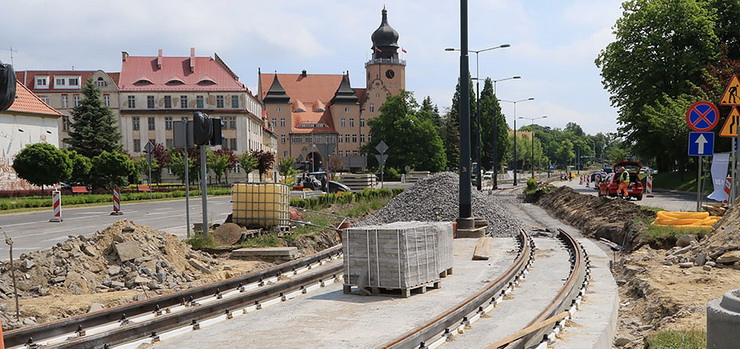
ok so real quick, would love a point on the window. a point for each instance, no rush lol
(199, 102)
(65, 101)
(318, 139)
(76, 99)
(235, 102)
(231, 122)
(297, 139)
(169, 143)
(135, 123)
(282, 122)
(274, 122)
(168, 102)
(372, 107)
(150, 123)
(341, 153)
(343, 122)
(183, 101)
(232, 144)
(42, 82)
(346, 109)
(60, 82)
(362, 122)
(277, 109)
(362, 138)
(219, 101)
(352, 122)
(65, 123)
(377, 95)
(74, 82)
(45, 99)
(106, 100)
(137, 145)
(167, 122)
(132, 101)
(150, 102)
(285, 153)
(101, 83)
(346, 138)
(369, 138)
(339, 138)
(282, 139)
(354, 138)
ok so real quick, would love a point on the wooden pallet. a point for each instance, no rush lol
(444, 273)
(393, 292)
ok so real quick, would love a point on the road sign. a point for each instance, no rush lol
(702, 116)
(731, 97)
(701, 143)
(381, 158)
(381, 147)
(729, 129)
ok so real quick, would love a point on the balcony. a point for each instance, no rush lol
(385, 61)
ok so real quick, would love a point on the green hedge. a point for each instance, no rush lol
(81, 199)
(327, 200)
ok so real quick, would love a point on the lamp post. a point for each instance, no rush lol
(477, 108)
(495, 134)
(514, 103)
(531, 122)
(516, 77)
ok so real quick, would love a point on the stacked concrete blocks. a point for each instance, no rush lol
(397, 258)
(723, 321)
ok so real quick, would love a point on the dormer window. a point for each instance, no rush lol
(175, 81)
(143, 82)
(42, 82)
(206, 81)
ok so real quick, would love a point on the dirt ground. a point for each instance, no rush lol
(656, 293)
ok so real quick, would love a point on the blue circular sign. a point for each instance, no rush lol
(702, 116)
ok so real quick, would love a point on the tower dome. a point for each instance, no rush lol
(385, 36)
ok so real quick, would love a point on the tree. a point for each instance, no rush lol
(265, 159)
(220, 161)
(177, 164)
(666, 117)
(494, 128)
(160, 160)
(410, 134)
(81, 166)
(285, 166)
(93, 127)
(111, 170)
(661, 47)
(248, 162)
(451, 134)
(42, 164)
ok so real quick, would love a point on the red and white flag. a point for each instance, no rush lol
(404, 51)
(376, 49)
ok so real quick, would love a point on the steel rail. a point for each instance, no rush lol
(441, 324)
(73, 324)
(566, 299)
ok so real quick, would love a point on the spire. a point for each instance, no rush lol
(276, 93)
(345, 94)
(385, 39)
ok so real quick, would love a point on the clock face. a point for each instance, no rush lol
(390, 74)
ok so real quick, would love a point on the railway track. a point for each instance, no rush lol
(159, 318)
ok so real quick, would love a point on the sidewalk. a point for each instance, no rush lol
(670, 200)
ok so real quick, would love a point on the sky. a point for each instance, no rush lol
(553, 43)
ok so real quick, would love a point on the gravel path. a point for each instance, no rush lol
(436, 197)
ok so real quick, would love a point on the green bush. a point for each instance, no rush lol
(690, 339)
(327, 200)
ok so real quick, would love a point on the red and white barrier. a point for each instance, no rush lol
(116, 203)
(649, 186)
(728, 185)
(56, 200)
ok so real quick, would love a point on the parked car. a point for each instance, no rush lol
(635, 189)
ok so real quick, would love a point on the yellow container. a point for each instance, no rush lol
(260, 205)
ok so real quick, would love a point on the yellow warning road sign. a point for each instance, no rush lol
(729, 129)
(731, 96)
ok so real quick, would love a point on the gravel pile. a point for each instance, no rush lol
(436, 198)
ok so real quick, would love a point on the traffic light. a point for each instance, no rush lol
(216, 136)
(202, 128)
(7, 86)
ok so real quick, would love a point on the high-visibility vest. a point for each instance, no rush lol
(624, 177)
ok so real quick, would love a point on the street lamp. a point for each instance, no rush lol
(514, 103)
(504, 79)
(477, 107)
(531, 122)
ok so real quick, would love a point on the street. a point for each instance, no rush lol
(32, 231)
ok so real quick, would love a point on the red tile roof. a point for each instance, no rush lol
(28, 103)
(28, 77)
(306, 89)
(175, 74)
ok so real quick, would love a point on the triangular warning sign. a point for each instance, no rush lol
(732, 93)
(729, 129)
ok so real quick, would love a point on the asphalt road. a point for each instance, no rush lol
(32, 231)
(665, 199)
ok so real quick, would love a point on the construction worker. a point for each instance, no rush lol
(624, 182)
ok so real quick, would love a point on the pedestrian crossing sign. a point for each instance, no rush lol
(729, 129)
(731, 93)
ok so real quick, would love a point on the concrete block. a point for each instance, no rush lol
(723, 321)
(128, 250)
(270, 253)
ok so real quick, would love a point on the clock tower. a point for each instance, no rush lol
(385, 72)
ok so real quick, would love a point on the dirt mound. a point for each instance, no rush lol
(595, 216)
(723, 244)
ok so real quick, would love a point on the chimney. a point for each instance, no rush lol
(159, 59)
(192, 59)
(124, 56)
(303, 73)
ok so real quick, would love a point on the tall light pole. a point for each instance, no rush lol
(477, 108)
(516, 77)
(514, 103)
(531, 123)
